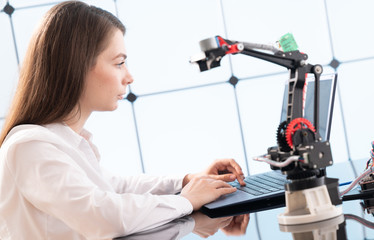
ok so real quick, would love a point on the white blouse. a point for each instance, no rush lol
(52, 187)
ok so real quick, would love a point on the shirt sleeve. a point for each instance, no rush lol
(52, 182)
(146, 184)
(174, 230)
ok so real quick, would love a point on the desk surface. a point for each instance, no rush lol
(264, 224)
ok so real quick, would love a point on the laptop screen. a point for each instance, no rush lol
(326, 102)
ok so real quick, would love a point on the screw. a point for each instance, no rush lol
(240, 46)
(318, 69)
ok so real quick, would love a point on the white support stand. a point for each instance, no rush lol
(326, 230)
(308, 206)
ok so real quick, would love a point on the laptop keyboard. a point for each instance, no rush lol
(264, 183)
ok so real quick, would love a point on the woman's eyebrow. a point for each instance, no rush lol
(120, 55)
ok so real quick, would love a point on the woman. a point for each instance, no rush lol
(51, 183)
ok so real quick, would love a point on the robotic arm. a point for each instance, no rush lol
(297, 138)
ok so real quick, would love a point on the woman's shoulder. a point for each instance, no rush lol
(30, 132)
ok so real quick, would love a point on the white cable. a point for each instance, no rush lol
(266, 158)
(359, 178)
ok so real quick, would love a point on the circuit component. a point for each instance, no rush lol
(368, 204)
(367, 184)
(288, 43)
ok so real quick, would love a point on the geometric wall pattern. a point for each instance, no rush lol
(175, 117)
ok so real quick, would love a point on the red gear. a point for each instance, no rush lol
(296, 124)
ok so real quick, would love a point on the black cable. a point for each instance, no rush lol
(361, 220)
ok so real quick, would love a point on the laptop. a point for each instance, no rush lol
(266, 190)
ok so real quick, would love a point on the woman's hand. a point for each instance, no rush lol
(237, 226)
(222, 169)
(230, 226)
(206, 226)
(204, 189)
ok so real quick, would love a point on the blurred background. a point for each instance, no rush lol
(178, 120)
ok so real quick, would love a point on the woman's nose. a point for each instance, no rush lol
(128, 79)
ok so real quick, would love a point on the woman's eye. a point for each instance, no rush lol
(120, 64)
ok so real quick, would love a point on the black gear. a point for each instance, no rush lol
(281, 137)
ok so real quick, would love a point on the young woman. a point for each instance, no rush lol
(51, 183)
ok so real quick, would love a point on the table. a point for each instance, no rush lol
(264, 224)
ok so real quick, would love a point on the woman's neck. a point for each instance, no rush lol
(76, 120)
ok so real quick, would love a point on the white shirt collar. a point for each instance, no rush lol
(68, 134)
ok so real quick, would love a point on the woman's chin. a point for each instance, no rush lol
(109, 108)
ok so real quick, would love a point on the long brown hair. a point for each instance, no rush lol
(62, 50)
